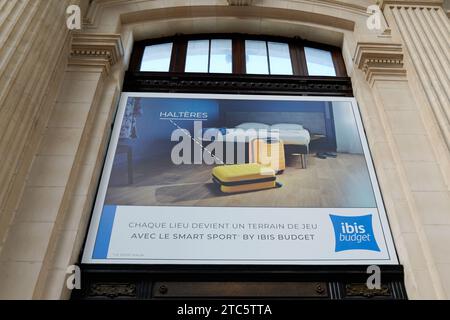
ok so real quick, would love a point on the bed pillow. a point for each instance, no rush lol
(287, 126)
(253, 125)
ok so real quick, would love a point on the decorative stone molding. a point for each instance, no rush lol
(240, 2)
(379, 60)
(361, 290)
(321, 86)
(411, 3)
(423, 30)
(90, 50)
(113, 290)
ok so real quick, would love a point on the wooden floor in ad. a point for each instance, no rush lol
(328, 183)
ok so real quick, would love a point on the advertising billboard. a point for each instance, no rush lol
(238, 179)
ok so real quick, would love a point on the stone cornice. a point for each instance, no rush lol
(240, 2)
(123, 7)
(412, 3)
(100, 50)
(379, 60)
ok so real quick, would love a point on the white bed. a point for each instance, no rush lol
(290, 134)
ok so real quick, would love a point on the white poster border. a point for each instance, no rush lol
(107, 169)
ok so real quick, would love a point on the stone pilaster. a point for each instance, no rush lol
(407, 162)
(32, 47)
(425, 30)
(47, 227)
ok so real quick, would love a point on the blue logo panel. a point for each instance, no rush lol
(354, 233)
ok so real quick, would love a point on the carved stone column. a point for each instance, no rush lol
(33, 48)
(418, 201)
(48, 225)
(425, 28)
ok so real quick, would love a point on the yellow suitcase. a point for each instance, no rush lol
(244, 177)
(268, 152)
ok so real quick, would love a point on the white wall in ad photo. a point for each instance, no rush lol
(347, 136)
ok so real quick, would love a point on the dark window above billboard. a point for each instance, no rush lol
(237, 54)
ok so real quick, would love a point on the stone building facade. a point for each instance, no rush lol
(59, 90)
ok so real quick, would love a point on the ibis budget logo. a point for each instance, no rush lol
(354, 233)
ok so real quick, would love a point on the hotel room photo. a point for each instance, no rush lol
(319, 156)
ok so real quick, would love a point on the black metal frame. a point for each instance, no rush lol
(237, 84)
(296, 49)
(101, 282)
